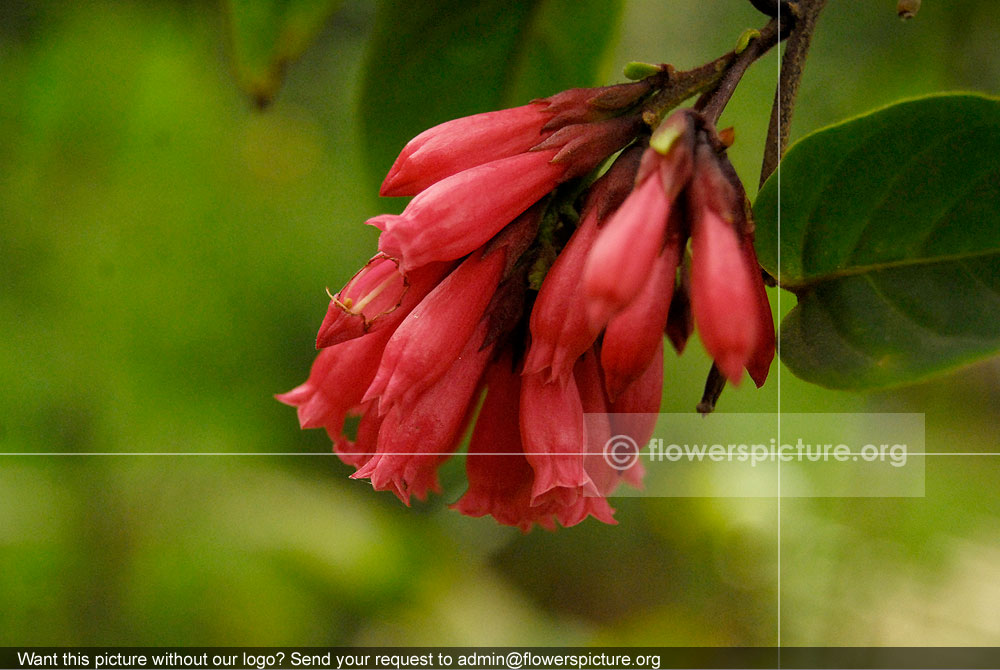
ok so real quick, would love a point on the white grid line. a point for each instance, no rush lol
(778, 337)
(693, 458)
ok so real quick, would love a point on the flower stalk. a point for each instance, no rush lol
(804, 15)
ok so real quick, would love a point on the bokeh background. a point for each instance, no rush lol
(164, 246)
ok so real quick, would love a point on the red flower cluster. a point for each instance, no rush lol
(490, 281)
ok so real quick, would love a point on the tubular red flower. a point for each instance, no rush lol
(560, 330)
(460, 144)
(623, 255)
(723, 297)
(500, 477)
(337, 381)
(415, 438)
(459, 214)
(552, 433)
(377, 297)
(634, 411)
(441, 311)
(429, 339)
(583, 146)
(597, 423)
(764, 349)
(634, 335)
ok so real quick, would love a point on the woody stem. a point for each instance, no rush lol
(679, 86)
(713, 102)
(804, 13)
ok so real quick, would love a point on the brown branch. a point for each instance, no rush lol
(679, 86)
(805, 13)
(712, 103)
(716, 80)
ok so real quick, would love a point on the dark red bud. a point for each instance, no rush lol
(610, 191)
(586, 105)
(680, 319)
(517, 236)
(713, 186)
(583, 146)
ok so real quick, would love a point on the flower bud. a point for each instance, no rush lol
(416, 437)
(460, 144)
(623, 256)
(560, 330)
(455, 216)
(582, 147)
(680, 320)
(431, 336)
(634, 335)
(586, 105)
(337, 381)
(764, 349)
(377, 297)
(635, 410)
(724, 295)
(553, 437)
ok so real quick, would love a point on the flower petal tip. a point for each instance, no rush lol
(393, 187)
(290, 398)
(731, 366)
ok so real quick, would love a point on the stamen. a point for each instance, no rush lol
(363, 302)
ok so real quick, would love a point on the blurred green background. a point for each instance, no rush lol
(164, 246)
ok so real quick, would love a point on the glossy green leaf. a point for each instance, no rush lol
(267, 35)
(890, 238)
(437, 60)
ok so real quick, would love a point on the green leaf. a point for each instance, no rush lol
(267, 35)
(434, 61)
(890, 238)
